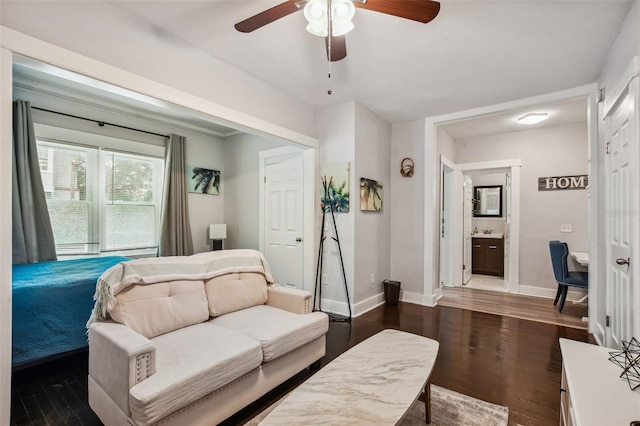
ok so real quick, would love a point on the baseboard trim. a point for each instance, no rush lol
(335, 307)
(431, 300)
(550, 293)
(411, 297)
(361, 308)
(368, 304)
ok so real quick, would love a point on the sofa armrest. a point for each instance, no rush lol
(289, 299)
(119, 358)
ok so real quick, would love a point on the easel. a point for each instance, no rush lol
(317, 295)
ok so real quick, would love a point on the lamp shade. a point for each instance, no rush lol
(217, 231)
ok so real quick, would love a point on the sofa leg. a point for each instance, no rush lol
(315, 366)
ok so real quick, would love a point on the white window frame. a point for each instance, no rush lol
(96, 198)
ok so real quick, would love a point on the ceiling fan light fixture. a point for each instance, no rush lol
(315, 12)
(342, 11)
(533, 118)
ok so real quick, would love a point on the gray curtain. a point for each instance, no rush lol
(32, 234)
(175, 231)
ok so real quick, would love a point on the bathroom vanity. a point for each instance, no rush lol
(487, 254)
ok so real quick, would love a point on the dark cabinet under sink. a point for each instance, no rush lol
(487, 256)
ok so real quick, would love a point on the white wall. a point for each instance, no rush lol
(336, 127)
(624, 48)
(202, 149)
(372, 229)
(133, 45)
(555, 151)
(446, 145)
(241, 182)
(407, 210)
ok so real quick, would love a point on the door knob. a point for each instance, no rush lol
(621, 261)
(298, 240)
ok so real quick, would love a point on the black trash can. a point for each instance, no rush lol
(391, 292)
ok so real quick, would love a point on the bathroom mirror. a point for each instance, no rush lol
(487, 201)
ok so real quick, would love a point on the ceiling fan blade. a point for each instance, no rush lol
(338, 48)
(267, 17)
(416, 10)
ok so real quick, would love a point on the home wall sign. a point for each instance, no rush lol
(557, 183)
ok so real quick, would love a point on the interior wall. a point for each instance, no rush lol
(202, 149)
(242, 180)
(336, 125)
(446, 144)
(555, 151)
(372, 229)
(131, 44)
(407, 210)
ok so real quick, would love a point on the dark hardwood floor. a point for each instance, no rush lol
(507, 361)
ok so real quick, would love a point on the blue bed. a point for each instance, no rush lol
(52, 302)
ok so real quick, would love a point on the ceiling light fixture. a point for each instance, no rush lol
(316, 13)
(533, 118)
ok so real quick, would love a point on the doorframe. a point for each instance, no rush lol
(457, 244)
(431, 287)
(308, 203)
(449, 232)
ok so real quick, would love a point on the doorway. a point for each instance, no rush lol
(461, 232)
(486, 223)
(285, 233)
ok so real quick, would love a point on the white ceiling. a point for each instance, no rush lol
(561, 113)
(475, 53)
(46, 79)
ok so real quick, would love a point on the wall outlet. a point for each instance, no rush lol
(565, 227)
(373, 279)
(325, 279)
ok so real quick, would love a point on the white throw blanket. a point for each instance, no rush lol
(201, 266)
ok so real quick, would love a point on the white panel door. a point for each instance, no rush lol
(283, 219)
(621, 173)
(467, 206)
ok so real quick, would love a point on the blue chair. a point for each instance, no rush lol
(564, 277)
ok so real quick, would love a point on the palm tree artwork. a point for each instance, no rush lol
(336, 176)
(338, 196)
(203, 181)
(370, 195)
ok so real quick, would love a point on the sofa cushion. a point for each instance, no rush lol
(154, 309)
(191, 363)
(277, 330)
(232, 292)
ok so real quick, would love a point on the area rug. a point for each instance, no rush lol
(448, 408)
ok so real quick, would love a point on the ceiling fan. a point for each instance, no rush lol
(331, 19)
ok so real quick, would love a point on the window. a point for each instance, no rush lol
(101, 200)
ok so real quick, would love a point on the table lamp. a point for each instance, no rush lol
(217, 233)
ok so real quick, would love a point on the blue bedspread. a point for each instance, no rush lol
(52, 302)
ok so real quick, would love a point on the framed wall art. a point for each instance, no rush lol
(203, 181)
(370, 195)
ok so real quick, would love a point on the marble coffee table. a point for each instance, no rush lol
(373, 383)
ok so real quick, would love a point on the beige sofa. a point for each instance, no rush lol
(192, 340)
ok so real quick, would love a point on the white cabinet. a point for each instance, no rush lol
(592, 392)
